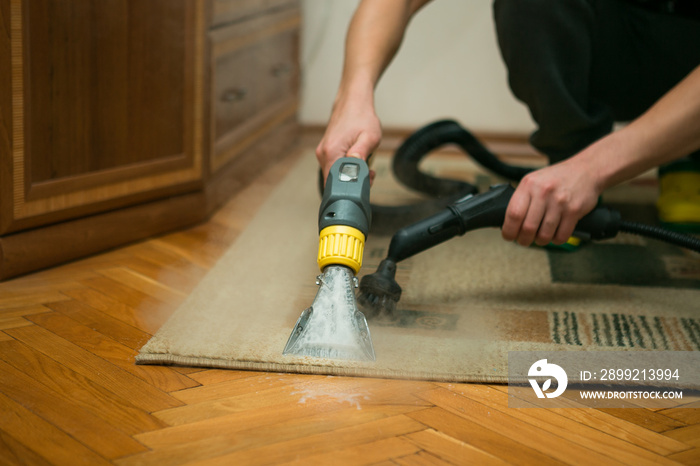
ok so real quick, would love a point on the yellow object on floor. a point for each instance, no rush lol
(679, 198)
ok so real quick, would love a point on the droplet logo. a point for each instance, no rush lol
(544, 369)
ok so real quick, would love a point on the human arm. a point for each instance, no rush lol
(549, 202)
(373, 38)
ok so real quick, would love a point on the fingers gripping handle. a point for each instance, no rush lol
(480, 211)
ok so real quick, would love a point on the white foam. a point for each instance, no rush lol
(332, 330)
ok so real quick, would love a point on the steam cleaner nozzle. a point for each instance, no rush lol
(333, 327)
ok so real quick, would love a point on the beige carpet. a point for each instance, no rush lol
(466, 303)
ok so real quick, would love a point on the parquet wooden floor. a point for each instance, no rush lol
(70, 393)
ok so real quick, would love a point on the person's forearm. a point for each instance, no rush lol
(373, 38)
(669, 130)
(548, 202)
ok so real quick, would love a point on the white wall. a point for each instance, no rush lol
(449, 66)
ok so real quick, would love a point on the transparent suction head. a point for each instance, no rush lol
(332, 327)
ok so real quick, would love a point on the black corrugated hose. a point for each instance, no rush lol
(662, 234)
(405, 167)
(436, 135)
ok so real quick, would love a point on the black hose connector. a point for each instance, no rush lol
(601, 223)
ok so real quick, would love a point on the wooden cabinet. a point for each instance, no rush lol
(125, 119)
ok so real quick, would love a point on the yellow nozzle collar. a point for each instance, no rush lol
(341, 245)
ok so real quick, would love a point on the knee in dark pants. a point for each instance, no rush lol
(546, 46)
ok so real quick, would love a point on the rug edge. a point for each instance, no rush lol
(209, 363)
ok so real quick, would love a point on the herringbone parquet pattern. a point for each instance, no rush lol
(70, 393)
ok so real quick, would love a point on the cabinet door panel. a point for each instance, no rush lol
(106, 105)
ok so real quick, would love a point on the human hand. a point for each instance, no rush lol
(353, 131)
(549, 202)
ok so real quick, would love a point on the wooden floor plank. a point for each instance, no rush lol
(236, 421)
(451, 449)
(595, 428)
(689, 435)
(144, 284)
(188, 370)
(23, 311)
(214, 376)
(272, 389)
(687, 416)
(548, 443)
(420, 458)
(7, 323)
(166, 260)
(691, 402)
(118, 412)
(12, 299)
(688, 457)
(160, 377)
(98, 370)
(237, 435)
(238, 386)
(43, 438)
(474, 434)
(264, 407)
(149, 309)
(280, 398)
(647, 419)
(325, 442)
(614, 427)
(117, 330)
(172, 245)
(363, 454)
(47, 281)
(191, 245)
(147, 321)
(183, 280)
(13, 452)
(87, 427)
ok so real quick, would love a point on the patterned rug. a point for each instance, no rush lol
(465, 303)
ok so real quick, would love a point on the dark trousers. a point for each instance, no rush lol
(581, 65)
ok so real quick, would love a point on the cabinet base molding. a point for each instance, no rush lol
(32, 250)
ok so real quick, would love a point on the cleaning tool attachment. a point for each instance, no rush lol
(379, 292)
(333, 327)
